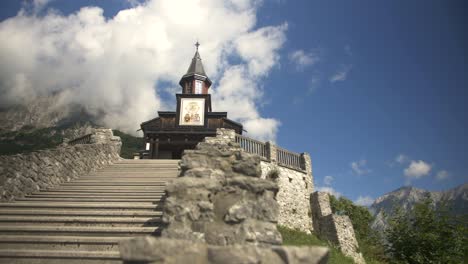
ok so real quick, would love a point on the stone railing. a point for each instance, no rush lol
(23, 174)
(289, 159)
(268, 151)
(86, 139)
(253, 146)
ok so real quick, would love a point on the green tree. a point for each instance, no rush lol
(426, 235)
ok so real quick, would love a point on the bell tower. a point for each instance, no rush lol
(195, 81)
(172, 132)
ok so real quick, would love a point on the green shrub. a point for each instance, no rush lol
(293, 237)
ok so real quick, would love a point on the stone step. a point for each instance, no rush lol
(146, 162)
(117, 191)
(109, 186)
(114, 183)
(97, 196)
(155, 172)
(125, 178)
(21, 256)
(170, 167)
(100, 183)
(84, 199)
(89, 243)
(80, 205)
(132, 174)
(79, 220)
(54, 230)
(83, 212)
(121, 180)
(114, 188)
(143, 166)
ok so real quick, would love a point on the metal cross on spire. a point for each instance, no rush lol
(197, 45)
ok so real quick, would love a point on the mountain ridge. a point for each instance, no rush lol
(454, 199)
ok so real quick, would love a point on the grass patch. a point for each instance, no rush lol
(293, 237)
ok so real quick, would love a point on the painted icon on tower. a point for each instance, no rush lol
(192, 112)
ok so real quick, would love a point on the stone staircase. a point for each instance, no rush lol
(82, 221)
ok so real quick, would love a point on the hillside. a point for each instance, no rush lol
(28, 139)
(455, 200)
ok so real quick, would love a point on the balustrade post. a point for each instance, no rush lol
(271, 152)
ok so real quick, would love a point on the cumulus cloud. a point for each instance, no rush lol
(360, 167)
(341, 74)
(328, 180)
(117, 68)
(329, 190)
(302, 59)
(417, 169)
(442, 175)
(364, 201)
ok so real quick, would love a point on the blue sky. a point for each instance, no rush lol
(375, 91)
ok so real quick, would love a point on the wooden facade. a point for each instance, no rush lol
(169, 134)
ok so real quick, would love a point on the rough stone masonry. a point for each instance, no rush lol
(24, 174)
(220, 198)
(219, 211)
(337, 229)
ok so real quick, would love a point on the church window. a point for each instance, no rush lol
(198, 87)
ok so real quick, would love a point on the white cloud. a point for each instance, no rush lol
(417, 169)
(259, 48)
(360, 167)
(328, 180)
(442, 175)
(302, 59)
(364, 200)
(341, 74)
(329, 190)
(402, 159)
(113, 67)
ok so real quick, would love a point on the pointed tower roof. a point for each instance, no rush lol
(196, 68)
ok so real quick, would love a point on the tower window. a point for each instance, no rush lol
(198, 87)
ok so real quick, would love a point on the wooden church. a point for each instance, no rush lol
(169, 134)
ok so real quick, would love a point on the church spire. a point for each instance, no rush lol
(195, 76)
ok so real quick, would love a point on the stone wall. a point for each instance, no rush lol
(162, 250)
(293, 196)
(219, 197)
(337, 229)
(295, 185)
(219, 210)
(23, 174)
